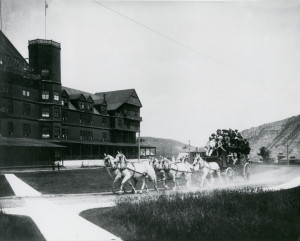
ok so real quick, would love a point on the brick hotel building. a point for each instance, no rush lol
(42, 121)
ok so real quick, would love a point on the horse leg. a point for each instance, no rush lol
(132, 186)
(219, 176)
(143, 184)
(188, 178)
(212, 180)
(203, 178)
(174, 180)
(125, 179)
(164, 179)
(116, 179)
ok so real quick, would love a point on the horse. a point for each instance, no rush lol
(206, 169)
(111, 166)
(176, 170)
(157, 165)
(136, 170)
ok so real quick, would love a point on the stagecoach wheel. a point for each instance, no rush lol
(229, 174)
(246, 172)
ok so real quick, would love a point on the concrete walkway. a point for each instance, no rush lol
(55, 222)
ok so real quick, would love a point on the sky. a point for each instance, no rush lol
(197, 66)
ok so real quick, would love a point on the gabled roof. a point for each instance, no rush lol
(89, 99)
(77, 97)
(113, 99)
(10, 58)
(119, 97)
(64, 93)
(71, 91)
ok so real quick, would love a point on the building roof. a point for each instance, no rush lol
(119, 97)
(11, 59)
(114, 99)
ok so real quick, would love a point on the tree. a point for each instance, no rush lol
(265, 154)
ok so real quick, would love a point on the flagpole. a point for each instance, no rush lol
(45, 18)
(1, 13)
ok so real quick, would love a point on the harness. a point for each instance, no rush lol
(202, 167)
(133, 170)
(177, 170)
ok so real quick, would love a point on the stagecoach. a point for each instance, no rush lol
(230, 170)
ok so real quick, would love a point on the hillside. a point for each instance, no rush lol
(166, 147)
(275, 136)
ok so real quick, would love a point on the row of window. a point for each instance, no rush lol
(127, 123)
(45, 132)
(26, 129)
(46, 95)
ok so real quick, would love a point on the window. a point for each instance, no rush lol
(104, 137)
(26, 130)
(89, 135)
(89, 120)
(45, 73)
(81, 105)
(26, 93)
(64, 116)
(10, 107)
(64, 134)
(56, 96)
(45, 112)
(64, 101)
(4, 88)
(56, 132)
(136, 124)
(89, 106)
(10, 129)
(103, 109)
(45, 132)
(127, 123)
(86, 135)
(56, 112)
(104, 121)
(45, 95)
(26, 109)
(120, 121)
(81, 119)
(82, 135)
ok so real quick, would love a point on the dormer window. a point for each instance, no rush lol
(103, 109)
(81, 105)
(89, 106)
(64, 101)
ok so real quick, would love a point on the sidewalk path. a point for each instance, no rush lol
(55, 222)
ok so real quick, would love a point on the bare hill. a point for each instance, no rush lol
(275, 136)
(166, 147)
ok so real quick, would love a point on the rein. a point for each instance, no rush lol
(134, 170)
(177, 170)
(202, 167)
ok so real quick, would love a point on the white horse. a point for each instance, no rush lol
(157, 165)
(206, 169)
(176, 170)
(115, 173)
(139, 171)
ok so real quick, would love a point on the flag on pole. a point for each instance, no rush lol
(46, 6)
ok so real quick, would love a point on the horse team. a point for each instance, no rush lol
(128, 172)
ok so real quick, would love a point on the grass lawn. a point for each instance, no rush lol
(72, 181)
(247, 214)
(5, 189)
(18, 228)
